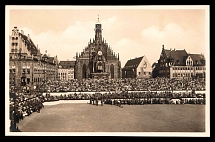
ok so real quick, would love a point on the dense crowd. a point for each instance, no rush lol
(148, 97)
(115, 92)
(22, 105)
(141, 98)
(125, 84)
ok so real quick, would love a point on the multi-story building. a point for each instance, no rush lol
(66, 70)
(137, 68)
(97, 59)
(27, 66)
(180, 64)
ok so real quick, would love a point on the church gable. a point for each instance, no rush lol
(97, 59)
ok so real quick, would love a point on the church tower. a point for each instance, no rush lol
(98, 32)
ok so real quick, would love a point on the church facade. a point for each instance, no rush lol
(97, 59)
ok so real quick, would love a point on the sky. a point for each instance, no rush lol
(131, 31)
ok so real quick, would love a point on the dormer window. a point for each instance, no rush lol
(189, 61)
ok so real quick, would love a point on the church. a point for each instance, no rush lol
(97, 59)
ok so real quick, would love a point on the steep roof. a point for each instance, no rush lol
(179, 56)
(30, 45)
(198, 59)
(67, 64)
(133, 63)
(50, 59)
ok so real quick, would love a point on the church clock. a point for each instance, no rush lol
(99, 53)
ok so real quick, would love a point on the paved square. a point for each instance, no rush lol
(83, 117)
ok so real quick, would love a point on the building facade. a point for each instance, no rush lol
(97, 60)
(137, 68)
(27, 66)
(180, 64)
(66, 70)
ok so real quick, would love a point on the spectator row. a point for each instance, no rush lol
(127, 84)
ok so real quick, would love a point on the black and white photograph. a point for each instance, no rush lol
(107, 70)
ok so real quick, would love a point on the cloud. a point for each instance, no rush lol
(172, 36)
(76, 36)
(128, 49)
(66, 43)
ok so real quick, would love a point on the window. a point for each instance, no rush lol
(99, 67)
(139, 73)
(14, 70)
(28, 80)
(144, 73)
(12, 44)
(10, 70)
(28, 71)
(13, 38)
(23, 70)
(16, 38)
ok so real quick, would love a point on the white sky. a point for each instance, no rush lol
(130, 31)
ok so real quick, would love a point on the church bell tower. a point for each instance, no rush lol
(98, 32)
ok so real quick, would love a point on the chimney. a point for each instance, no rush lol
(28, 37)
(170, 49)
(22, 32)
(162, 46)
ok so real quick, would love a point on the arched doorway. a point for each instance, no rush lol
(100, 67)
(112, 70)
(84, 71)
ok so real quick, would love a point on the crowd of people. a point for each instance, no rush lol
(126, 84)
(146, 97)
(22, 105)
(114, 92)
(141, 98)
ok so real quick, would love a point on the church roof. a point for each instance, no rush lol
(133, 63)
